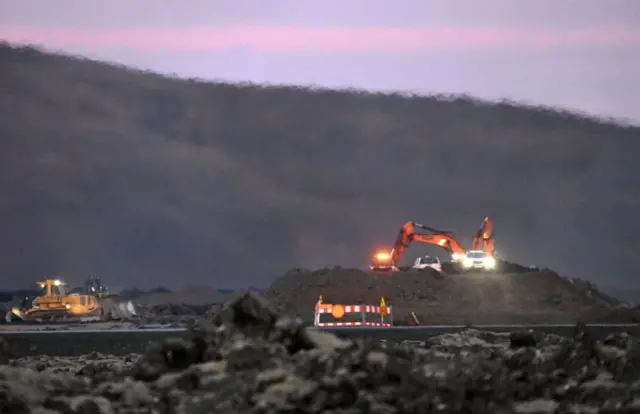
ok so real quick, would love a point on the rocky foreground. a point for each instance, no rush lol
(247, 359)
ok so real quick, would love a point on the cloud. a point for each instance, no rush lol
(317, 39)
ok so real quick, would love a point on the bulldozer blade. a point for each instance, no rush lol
(125, 310)
(13, 314)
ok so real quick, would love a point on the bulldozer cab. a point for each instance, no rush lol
(53, 287)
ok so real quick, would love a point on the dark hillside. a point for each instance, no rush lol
(145, 180)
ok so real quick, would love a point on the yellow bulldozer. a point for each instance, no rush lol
(56, 303)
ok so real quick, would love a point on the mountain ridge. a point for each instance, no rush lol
(159, 181)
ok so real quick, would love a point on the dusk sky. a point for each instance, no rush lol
(580, 54)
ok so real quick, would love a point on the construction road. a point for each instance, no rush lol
(74, 342)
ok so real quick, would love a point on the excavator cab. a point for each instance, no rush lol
(382, 261)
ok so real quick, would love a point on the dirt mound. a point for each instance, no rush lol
(540, 296)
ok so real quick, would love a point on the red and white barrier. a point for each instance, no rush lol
(360, 315)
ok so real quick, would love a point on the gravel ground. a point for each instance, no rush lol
(249, 360)
(60, 344)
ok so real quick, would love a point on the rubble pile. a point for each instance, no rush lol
(539, 296)
(592, 291)
(249, 359)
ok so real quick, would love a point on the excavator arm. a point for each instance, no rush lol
(408, 234)
(447, 241)
(483, 238)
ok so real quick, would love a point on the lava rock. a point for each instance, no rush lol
(522, 339)
(4, 351)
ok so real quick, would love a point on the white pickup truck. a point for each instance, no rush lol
(478, 259)
(423, 262)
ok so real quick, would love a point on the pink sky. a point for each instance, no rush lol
(582, 54)
(329, 39)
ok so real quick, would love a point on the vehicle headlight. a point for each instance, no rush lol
(467, 262)
(489, 262)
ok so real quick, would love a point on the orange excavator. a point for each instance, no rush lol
(483, 239)
(388, 261)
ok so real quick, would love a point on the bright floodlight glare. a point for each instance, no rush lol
(457, 257)
(382, 256)
(490, 262)
(56, 282)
